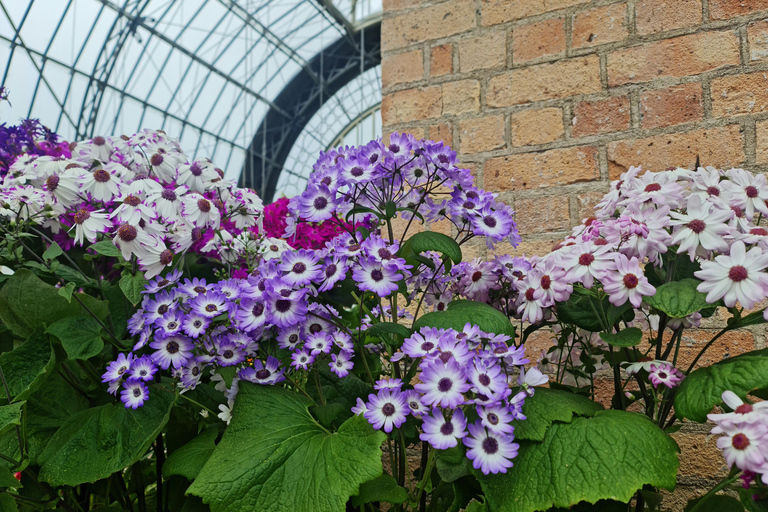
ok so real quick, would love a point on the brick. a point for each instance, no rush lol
(731, 344)
(402, 68)
(530, 246)
(433, 22)
(680, 56)
(601, 25)
(545, 81)
(726, 9)
(585, 203)
(411, 105)
(501, 11)
(757, 35)
(483, 52)
(542, 214)
(441, 60)
(441, 132)
(720, 147)
(761, 151)
(396, 5)
(740, 94)
(608, 115)
(536, 126)
(441, 226)
(699, 455)
(661, 15)
(534, 40)
(544, 169)
(673, 105)
(461, 97)
(482, 134)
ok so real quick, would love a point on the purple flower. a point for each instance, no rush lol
(228, 353)
(118, 368)
(264, 374)
(319, 343)
(191, 374)
(169, 323)
(395, 384)
(414, 403)
(251, 314)
(286, 310)
(496, 418)
(443, 384)
(301, 359)
(290, 337)
(387, 409)
(665, 374)
(489, 452)
(194, 325)
(423, 342)
(443, 433)
(172, 351)
(487, 380)
(300, 267)
(372, 276)
(194, 287)
(334, 270)
(317, 203)
(341, 364)
(134, 393)
(209, 304)
(143, 368)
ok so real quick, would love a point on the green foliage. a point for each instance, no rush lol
(608, 456)
(8, 480)
(10, 415)
(53, 252)
(716, 503)
(452, 464)
(79, 335)
(461, 312)
(132, 286)
(585, 310)
(66, 291)
(292, 457)
(702, 389)
(105, 248)
(548, 406)
(384, 329)
(678, 299)
(96, 442)
(7, 503)
(433, 241)
(628, 337)
(25, 366)
(188, 460)
(383, 488)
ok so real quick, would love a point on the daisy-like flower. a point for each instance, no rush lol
(360, 407)
(735, 277)
(496, 418)
(530, 379)
(118, 368)
(413, 398)
(744, 445)
(746, 191)
(317, 203)
(665, 374)
(197, 175)
(229, 353)
(89, 224)
(134, 393)
(386, 410)
(319, 343)
(584, 263)
(101, 184)
(341, 364)
(702, 225)
(300, 267)
(334, 270)
(626, 281)
(423, 342)
(143, 368)
(373, 276)
(172, 351)
(301, 359)
(265, 374)
(643, 364)
(285, 311)
(443, 433)
(489, 452)
(155, 258)
(209, 304)
(487, 380)
(167, 201)
(200, 211)
(742, 412)
(290, 337)
(443, 384)
(251, 314)
(194, 325)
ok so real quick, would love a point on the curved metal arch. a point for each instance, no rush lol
(336, 65)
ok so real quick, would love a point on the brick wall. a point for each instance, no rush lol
(548, 100)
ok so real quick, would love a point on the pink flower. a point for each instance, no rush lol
(626, 281)
(737, 277)
(665, 374)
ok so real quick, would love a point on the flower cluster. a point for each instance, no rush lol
(306, 235)
(142, 192)
(28, 138)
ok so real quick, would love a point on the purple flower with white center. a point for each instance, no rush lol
(136, 322)
(489, 452)
(317, 203)
(169, 323)
(154, 309)
(319, 343)
(450, 348)
(443, 384)
(512, 356)
(496, 418)
(194, 287)
(172, 351)
(301, 359)
(143, 368)
(494, 224)
(386, 410)
(264, 374)
(230, 288)
(341, 364)
(665, 374)
(703, 225)
(387, 383)
(195, 325)
(530, 379)
(584, 263)
(625, 281)
(735, 277)
(287, 310)
(334, 270)
(372, 276)
(134, 393)
(161, 282)
(487, 380)
(118, 368)
(300, 267)
(192, 373)
(229, 353)
(422, 343)
(747, 191)
(251, 314)
(290, 337)
(343, 341)
(360, 408)
(443, 433)
(209, 304)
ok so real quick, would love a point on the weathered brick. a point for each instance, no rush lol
(441, 226)
(680, 56)
(699, 456)
(600, 25)
(530, 246)
(482, 134)
(740, 94)
(402, 68)
(731, 344)
(432, 22)
(534, 40)
(585, 203)
(761, 151)
(441, 132)
(483, 52)
(720, 147)
(411, 105)
(673, 105)
(545, 81)
(544, 169)
(501, 11)
(461, 96)
(441, 60)
(542, 214)
(608, 115)
(396, 5)
(757, 35)
(661, 15)
(726, 9)
(536, 126)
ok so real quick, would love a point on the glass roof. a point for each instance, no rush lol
(206, 71)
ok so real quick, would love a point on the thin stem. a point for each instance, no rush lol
(319, 388)
(403, 458)
(696, 359)
(727, 481)
(424, 477)
(424, 461)
(185, 397)
(139, 487)
(160, 458)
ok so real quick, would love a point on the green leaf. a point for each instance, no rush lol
(292, 457)
(188, 460)
(755, 318)
(383, 488)
(10, 415)
(678, 299)
(53, 252)
(7, 503)
(383, 329)
(716, 503)
(79, 335)
(476, 506)
(461, 312)
(390, 209)
(132, 286)
(548, 406)
(702, 389)
(95, 443)
(582, 309)
(227, 373)
(66, 291)
(7, 480)
(25, 366)
(438, 242)
(608, 456)
(628, 337)
(105, 248)
(452, 464)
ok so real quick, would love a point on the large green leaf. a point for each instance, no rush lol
(79, 335)
(585, 310)
(188, 460)
(275, 457)
(105, 248)
(10, 415)
(132, 286)
(25, 366)
(548, 406)
(608, 456)
(386, 328)
(462, 312)
(7, 503)
(95, 443)
(678, 299)
(383, 488)
(702, 389)
(437, 242)
(628, 337)
(27, 303)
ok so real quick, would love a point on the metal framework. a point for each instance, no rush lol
(236, 80)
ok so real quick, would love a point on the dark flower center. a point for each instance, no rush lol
(132, 201)
(263, 374)
(195, 371)
(199, 289)
(489, 221)
(738, 273)
(529, 294)
(713, 191)
(418, 173)
(101, 176)
(444, 385)
(258, 309)
(751, 191)
(492, 418)
(445, 357)
(388, 409)
(377, 275)
(293, 339)
(52, 182)
(586, 259)
(168, 194)
(394, 148)
(166, 257)
(758, 231)
(172, 347)
(136, 392)
(162, 309)
(99, 140)
(743, 409)
(490, 445)
(653, 187)
(282, 305)
(228, 354)
(427, 346)
(211, 308)
(326, 181)
(330, 270)
(299, 268)
(662, 375)
(697, 226)
(484, 379)
(156, 159)
(127, 233)
(446, 428)
(82, 216)
(385, 254)
(195, 169)
(740, 441)
(315, 328)
(356, 172)
(204, 205)
(320, 203)
(476, 276)
(469, 205)
(546, 282)
(630, 280)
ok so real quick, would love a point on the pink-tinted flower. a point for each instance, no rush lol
(665, 374)
(626, 281)
(735, 277)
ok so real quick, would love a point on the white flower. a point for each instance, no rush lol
(737, 277)
(747, 191)
(226, 411)
(89, 224)
(702, 225)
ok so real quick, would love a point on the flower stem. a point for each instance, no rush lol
(727, 481)
(424, 477)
